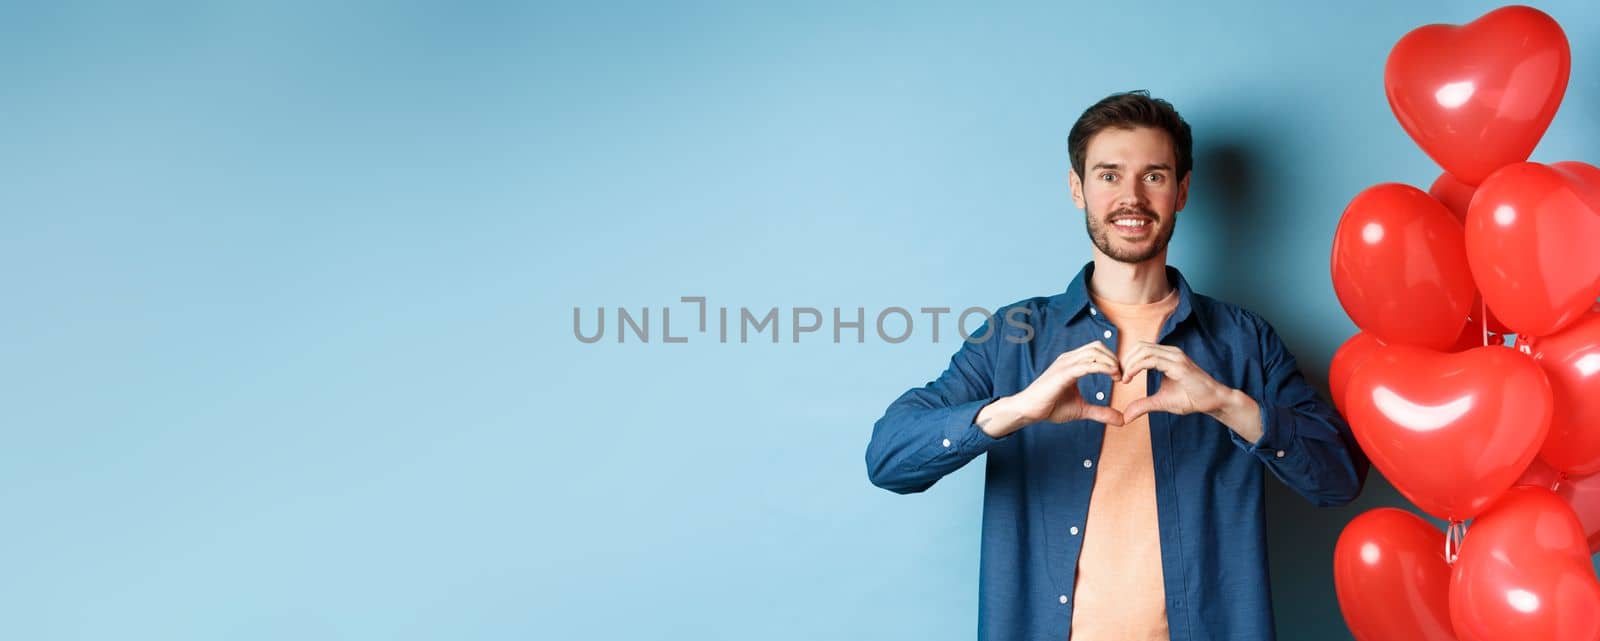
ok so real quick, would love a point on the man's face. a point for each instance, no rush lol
(1130, 193)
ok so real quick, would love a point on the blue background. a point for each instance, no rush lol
(288, 346)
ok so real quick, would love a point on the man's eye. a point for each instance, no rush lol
(1155, 178)
(1108, 176)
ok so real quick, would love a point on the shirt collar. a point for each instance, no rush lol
(1075, 300)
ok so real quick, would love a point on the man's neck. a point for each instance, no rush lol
(1131, 284)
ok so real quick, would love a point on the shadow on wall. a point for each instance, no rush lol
(1234, 211)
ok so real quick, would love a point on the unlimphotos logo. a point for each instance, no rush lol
(892, 324)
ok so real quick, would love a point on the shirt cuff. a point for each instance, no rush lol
(959, 436)
(1277, 434)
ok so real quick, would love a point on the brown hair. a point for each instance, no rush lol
(1129, 110)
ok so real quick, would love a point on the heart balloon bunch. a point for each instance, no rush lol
(1465, 427)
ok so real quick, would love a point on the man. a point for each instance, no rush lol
(1127, 422)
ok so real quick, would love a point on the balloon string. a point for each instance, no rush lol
(1483, 313)
(1555, 486)
(1453, 538)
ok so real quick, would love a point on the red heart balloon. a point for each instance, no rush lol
(1478, 96)
(1495, 326)
(1450, 431)
(1472, 335)
(1524, 573)
(1570, 358)
(1583, 496)
(1540, 474)
(1453, 194)
(1346, 359)
(1391, 577)
(1532, 234)
(1400, 268)
(1584, 175)
(1356, 349)
(1456, 196)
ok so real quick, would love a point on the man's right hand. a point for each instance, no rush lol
(1054, 395)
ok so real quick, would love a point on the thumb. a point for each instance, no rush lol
(1103, 414)
(1140, 407)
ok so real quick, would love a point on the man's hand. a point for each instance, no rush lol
(1054, 395)
(1187, 389)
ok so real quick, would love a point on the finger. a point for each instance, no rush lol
(1142, 406)
(1082, 354)
(1176, 353)
(1103, 355)
(1104, 414)
(1146, 360)
(1063, 374)
(1080, 358)
(1092, 367)
(1146, 346)
(1136, 409)
(1063, 364)
(1142, 348)
(1099, 355)
(1162, 401)
(1095, 350)
(1174, 367)
(1170, 349)
(1134, 355)
(1102, 349)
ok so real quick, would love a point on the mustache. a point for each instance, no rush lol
(1132, 211)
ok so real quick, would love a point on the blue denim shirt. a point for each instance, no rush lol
(1210, 488)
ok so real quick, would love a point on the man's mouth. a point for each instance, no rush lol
(1132, 225)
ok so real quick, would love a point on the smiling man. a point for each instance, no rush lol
(1127, 426)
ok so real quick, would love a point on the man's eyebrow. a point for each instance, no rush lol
(1150, 167)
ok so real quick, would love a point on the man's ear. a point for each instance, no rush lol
(1077, 188)
(1183, 192)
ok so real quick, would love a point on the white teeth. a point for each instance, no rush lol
(1128, 222)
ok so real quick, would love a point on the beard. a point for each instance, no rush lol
(1100, 230)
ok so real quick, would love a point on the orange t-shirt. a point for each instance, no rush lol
(1119, 594)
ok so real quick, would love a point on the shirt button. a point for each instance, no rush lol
(947, 442)
(1087, 464)
(1074, 530)
(1108, 333)
(1063, 599)
(1280, 453)
(1093, 311)
(1099, 396)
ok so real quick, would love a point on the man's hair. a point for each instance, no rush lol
(1131, 110)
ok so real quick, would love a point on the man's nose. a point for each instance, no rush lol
(1133, 195)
